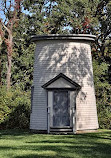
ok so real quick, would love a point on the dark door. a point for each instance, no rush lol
(61, 116)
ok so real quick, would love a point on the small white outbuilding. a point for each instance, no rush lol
(63, 95)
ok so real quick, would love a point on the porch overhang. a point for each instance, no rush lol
(62, 82)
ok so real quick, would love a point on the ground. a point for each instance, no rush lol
(23, 144)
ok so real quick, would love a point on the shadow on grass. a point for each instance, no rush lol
(33, 156)
(60, 146)
(85, 150)
(14, 132)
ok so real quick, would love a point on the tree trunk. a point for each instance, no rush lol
(9, 58)
(0, 69)
(9, 71)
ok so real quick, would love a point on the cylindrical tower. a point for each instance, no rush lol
(63, 97)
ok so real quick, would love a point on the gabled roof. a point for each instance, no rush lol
(61, 75)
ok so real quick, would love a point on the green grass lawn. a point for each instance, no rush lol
(22, 144)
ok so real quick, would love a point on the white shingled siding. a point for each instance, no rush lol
(74, 60)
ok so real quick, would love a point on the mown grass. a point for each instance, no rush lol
(22, 144)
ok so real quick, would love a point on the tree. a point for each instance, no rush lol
(102, 62)
(80, 16)
(103, 14)
(65, 16)
(103, 90)
(11, 11)
(1, 40)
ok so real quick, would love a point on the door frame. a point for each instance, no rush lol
(71, 105)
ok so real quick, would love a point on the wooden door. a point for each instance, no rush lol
(61, 109)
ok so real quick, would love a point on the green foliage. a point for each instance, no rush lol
(61, 16)
(104, 118)
(23, 56)
(103, 93)
(14, 108)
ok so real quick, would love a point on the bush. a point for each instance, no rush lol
(14, 108)
(103, 94)
(105, 119)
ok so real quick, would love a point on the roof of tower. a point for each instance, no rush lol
(86, 37)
